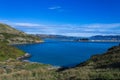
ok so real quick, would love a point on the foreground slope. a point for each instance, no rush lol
(99, 67)
(13, 36)
(110, 59)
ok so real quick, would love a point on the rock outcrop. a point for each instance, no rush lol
(26, 55)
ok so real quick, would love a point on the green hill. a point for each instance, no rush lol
(9, 35)
(7, 52)
(4, 28)
(13, 36)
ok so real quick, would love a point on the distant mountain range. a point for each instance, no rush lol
(97, 37)
(109, 37)
(60, 37)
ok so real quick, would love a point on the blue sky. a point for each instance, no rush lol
(62, 17)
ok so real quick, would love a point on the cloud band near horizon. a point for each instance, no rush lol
(83, 30)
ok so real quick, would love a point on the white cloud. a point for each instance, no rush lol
(79, 30)
(27, 24)
(69, 29)
(102, 26)
(55, 7)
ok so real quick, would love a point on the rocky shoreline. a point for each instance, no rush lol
(26, 55)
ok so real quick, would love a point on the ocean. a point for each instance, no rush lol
(64, 53)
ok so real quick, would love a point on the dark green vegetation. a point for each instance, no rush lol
(111, 59)
(7, 52)
(13, 36)
(99, 67)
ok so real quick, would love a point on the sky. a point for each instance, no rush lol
(62, 17)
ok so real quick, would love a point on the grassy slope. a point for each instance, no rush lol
(7, 52)
(110, 59)
(4, 28)
(13, 36)
(16, 70)
(98, 67)
(9, 35)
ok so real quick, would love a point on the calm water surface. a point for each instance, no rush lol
(60, 53)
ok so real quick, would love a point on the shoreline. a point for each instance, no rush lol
(50, 68)
(26, 43)
(24, 59)
(25, 56)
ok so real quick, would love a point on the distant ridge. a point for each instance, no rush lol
(106, 37)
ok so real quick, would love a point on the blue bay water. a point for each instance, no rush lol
(63, 53)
